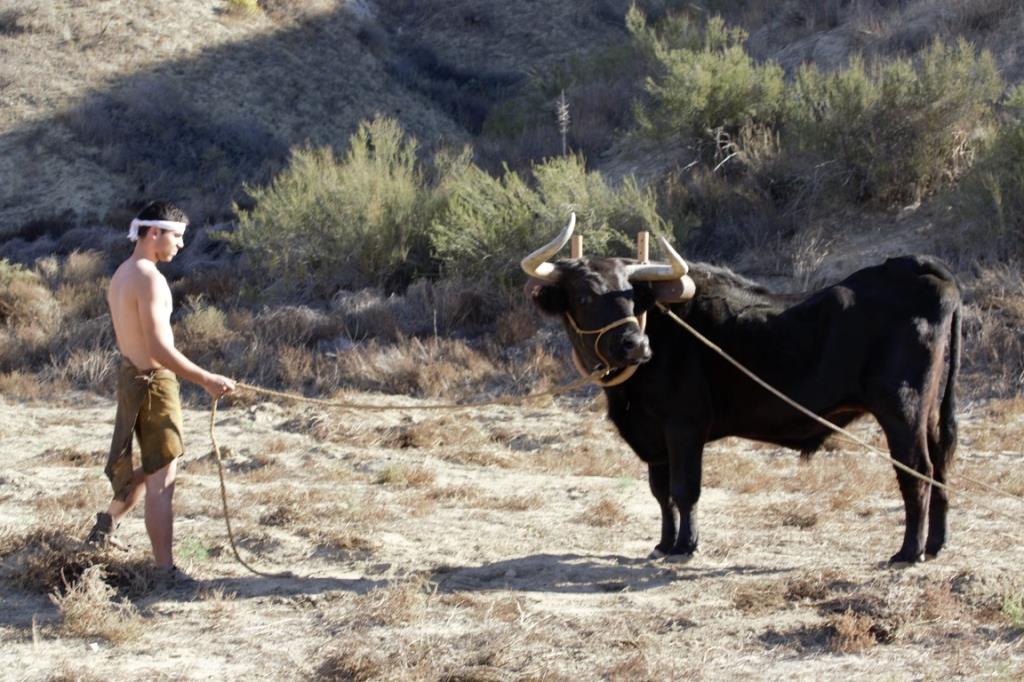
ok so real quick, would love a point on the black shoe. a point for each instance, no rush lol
(175, 579)
(102, 533)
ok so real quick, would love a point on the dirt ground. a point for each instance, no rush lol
(500, 543)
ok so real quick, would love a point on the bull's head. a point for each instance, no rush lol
(603, 301)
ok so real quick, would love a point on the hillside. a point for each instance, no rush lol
(376, 280)
(108, 103)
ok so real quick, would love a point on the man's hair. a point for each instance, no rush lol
(160, 210)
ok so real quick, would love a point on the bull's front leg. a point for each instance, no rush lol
(686, 452)
(658, 478)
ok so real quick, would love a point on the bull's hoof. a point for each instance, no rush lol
(656, 554)
(678, 558)
(901, 560)
(930, 557)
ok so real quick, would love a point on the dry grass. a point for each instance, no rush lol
(814, 586)
(89, 610)
(938, 603)
(432, 434)
(520, 592)
(436, 368)
(993, 317)
(515, 326)
(468, 497)
(1001, 475)
(358, 660)
(334, 427)
(759, 596)
(52, 559)
(90, 368)
(346, 542)
(603, 513)
(802, 515)
(1001, 428)
(203, 327)
(81, 500)
(739, 473)
(44, 560)
(222, 604)
(70, 456)
(514, 503)
(401, 603)
(405, 476)
(23, 386)
(852, 633)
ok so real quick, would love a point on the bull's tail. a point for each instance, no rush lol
(947, 411)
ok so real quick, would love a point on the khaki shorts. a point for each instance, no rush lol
(148, 408)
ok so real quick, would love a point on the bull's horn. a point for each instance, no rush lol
(675, 269)
(537, 265)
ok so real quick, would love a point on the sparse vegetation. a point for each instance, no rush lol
(378, 263)
(89, 610)
(707, 82)
(993, 192)
(895, 129)
(851, 633)
(603, 513)
(490, 223)
(325, 223)
(1013, 609)
(245, 7)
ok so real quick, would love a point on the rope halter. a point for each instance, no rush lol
(625, 372)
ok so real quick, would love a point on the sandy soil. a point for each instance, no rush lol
(510, 543)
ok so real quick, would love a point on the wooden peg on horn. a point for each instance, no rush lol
(643, 246)
(643, 252)
(576, 246)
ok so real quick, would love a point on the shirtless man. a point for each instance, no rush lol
(148, 400)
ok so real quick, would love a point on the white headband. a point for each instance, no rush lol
(175, 227)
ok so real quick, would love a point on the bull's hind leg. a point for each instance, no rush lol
(941, 448)
(908, 446)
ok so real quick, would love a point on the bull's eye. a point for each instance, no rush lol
(583, 299)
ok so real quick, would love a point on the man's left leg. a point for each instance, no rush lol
(107, 522)
(160, 514)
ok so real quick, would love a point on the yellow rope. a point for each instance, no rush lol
(826, 423)
(380, 407)
(224, 503)
(564, 389)
(352, 406)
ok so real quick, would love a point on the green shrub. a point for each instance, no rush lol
(25, 298)
(706, 81)
(245, 7)
(489, 223)
(893, 131)
(202, 331)
(1013, 609)
(325, 223)
(83, 267)
(992, 194)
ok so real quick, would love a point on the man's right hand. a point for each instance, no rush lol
(218, 386)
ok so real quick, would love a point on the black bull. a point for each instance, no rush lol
(884, 341)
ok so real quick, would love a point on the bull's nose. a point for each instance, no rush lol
(636, 348)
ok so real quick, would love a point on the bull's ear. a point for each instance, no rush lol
(643, 297)
(549, 297)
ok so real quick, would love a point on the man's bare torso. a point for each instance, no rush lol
(133, 281)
